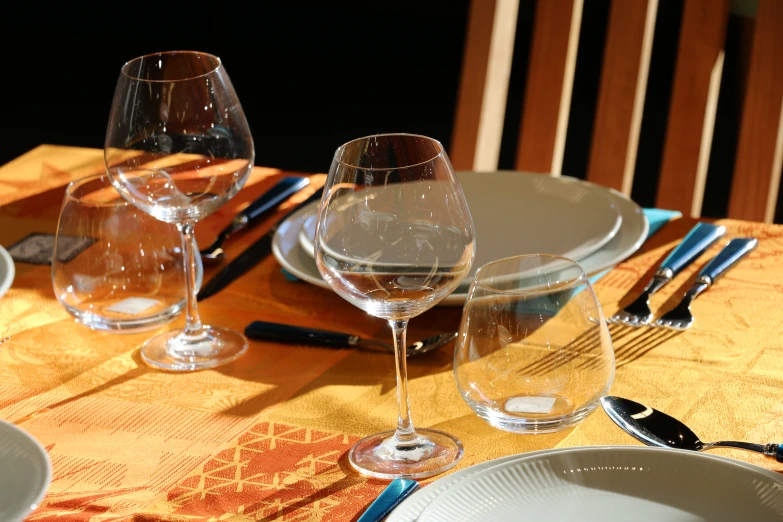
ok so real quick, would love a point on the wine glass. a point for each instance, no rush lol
(178, 147)
(533, 353)
(394, 237)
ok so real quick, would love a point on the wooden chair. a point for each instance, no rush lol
(478, 125)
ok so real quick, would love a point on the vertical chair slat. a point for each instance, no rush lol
(481, 102)
(757, 169)
(622, 91)
(550, 79)
(693, 106)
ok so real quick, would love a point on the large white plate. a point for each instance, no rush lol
(297, 259)
(286, 248)
(6, 271)
(25, 473)
(410, 509)
(613, 484)
(519, 213)
(629, 237)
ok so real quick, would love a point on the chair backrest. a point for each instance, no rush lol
(479, 117)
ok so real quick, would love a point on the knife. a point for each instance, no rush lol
(253, 255)
(252, 214)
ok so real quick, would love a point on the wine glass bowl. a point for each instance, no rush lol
(394, 237)
(178, 147)
(533, 353)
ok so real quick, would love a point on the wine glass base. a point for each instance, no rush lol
(174, 351)
(385, 457)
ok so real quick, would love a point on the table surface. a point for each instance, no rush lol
(266, 437)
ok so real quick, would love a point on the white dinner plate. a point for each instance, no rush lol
(6, 271)
(292, 257)
(517, 213)
(300, 228)
(629, 237)
(612, 484)
(410, 509)
(25, 473)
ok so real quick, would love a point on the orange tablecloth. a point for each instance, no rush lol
(266, 437)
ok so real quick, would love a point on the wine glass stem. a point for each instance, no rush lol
(405, 431)
(193, 325)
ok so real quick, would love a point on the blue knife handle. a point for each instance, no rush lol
(285, 333)
(779, 453)
(389, 499)
(692, 246)
(276, 195)
(730, 254)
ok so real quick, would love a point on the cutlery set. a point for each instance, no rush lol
(250, 257)
(701, 237)
(258, 209)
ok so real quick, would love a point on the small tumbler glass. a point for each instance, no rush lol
(533, 354)
(114, 267)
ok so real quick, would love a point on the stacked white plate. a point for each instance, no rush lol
(601, 483)
(514, 213)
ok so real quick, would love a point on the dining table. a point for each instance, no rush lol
(266, 437)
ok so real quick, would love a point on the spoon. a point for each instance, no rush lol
(285, 333)
(655, 428)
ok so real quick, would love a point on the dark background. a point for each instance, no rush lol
(313, 75)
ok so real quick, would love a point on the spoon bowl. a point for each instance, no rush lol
(655, 428)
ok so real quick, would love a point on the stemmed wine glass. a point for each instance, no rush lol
(394, 237)
(178, 147)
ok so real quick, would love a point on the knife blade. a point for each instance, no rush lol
(258, 209)
(253, 255)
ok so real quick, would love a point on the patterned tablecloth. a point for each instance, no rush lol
(265, 438)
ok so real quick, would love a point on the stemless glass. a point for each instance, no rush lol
(533, 353)
(394, 237)
(114, 267)
(178, 147)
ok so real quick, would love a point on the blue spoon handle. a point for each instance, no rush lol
(389, 499)
(726, 258)
(692, 246)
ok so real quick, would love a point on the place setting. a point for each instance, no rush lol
(550, 405)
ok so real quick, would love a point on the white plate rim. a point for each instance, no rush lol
(487, 466)
(45, 461)
(7, 261)
(633, 217)
(410, 508)
(553, 185)
(291, 225)
(619, 256)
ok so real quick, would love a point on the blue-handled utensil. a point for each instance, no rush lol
(269, 200)
(680, 317)
(692, 246)
(389, 499)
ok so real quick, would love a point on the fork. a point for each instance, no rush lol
(680, 317)
(692, 246)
